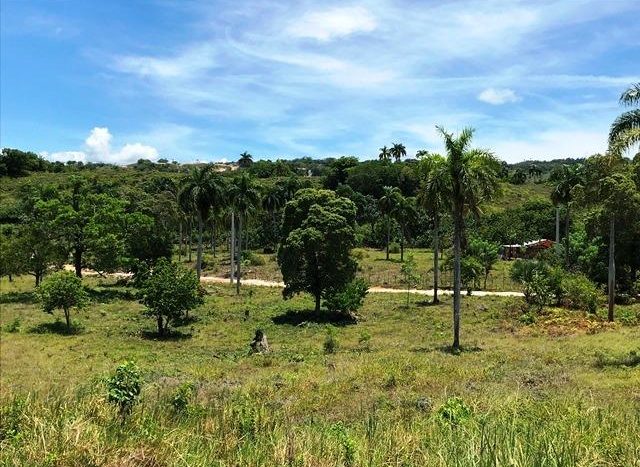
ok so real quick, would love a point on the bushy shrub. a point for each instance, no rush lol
(330, 344)
(349, 299)
(580, 293)
(536, 279)
(454, 411)
(394, 247)
(123, 388)
(182, 396)
(253, 259)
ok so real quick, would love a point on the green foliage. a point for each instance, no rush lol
(253, 259)
(536, 279)
(169, 292)
(318, 233)
(486, 254)
(123, 388)
(348, 299)
(12, 416)
(394, 248)
(182, 397)
(330, 344)
(629, 360)
(17, 163)
(347, 444)
(580, 293)
(14, 326)
(62, 290)
(410, 274)
(455, 411)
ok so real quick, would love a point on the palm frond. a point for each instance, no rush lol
(624, 141)
(631, 96)
(627, 121)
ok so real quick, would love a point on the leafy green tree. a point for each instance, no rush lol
(410, 275)
(62, 290)
(471, 269)
(244, 196)
(123, 388)
(169, 293)
(398, 151)
(17, 163)
(387, 204)
(318, 233)
(473, 177)
(11, 260)
(202, 190)
(338, 172)
(519, 177)
(434, 198)
(487, 255)
(625, 130)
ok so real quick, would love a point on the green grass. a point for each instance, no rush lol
(538, 393)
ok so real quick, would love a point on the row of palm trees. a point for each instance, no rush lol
(397, 151)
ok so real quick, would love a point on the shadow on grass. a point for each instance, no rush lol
(170, 335)
(428, 303)
(390, 260)
(299, 317)
(447, 349)
(185, 321)
(18, 297)
(104, 294)
(57, 327)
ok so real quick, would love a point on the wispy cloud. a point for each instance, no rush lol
(496, 96)
(332, 23)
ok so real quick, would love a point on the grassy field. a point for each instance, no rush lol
(560, 391)
(373, 267)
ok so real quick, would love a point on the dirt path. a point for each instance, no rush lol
(375, 289)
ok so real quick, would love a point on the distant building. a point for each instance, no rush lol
(525, 250)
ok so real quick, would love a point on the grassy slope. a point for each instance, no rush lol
(283, 407)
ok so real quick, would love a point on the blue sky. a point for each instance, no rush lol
(117, 80)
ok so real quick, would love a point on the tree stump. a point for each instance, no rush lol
(259, 343)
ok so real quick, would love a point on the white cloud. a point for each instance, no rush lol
(98, 149)
(496, 96)
(333, 23)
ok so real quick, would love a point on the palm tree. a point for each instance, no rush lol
(534, 171)
(403, 213)
(245, 198)
(433, 196)
(398, 151)
(472, 177)
(272, 201)
(387, 204)
(203, 191)
(245, 160)
(567, 178)
(385, 154)
(625, 130)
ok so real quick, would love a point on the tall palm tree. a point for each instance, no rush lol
(567, 178)
(385, 154)
(398, 151)
(473, 177)
(625, 130)
(245, 160)
(203, 190)
(387, 204)
(404, 212)
(272, 201)
(433, 196)
(244, 196)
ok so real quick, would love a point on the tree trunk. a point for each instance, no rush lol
(436, 247)
(457, 285)
(612, 267)
(557, 225)
(402, 248)
(213, 238)
(77, 260)
(232, 253)
(388, 235)
(199, 254)
(190, 236)
(180, 241)
(38, 276)
(317, 296)
(160, 325)
(67, 318)
(238, 271)
(566, 237)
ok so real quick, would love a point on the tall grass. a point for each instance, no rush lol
(239, 428)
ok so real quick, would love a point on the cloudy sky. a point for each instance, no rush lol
(119, 80)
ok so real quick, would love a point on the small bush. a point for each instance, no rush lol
(394, 248)
(14, 326)
(346, 442)
(580, 293)
(182, 396)
(628, 317)
(454, 411)
(123, 388)
(365, 341)
(253, 259)
(349, 299)
(628, 360)
(330, 344)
